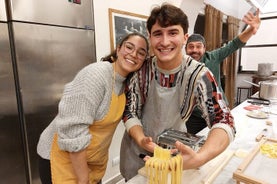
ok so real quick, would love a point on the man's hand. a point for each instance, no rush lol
(141, 139)
(253, 21)
(190, 157)
(148, 144)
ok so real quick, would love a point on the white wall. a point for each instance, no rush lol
(192, 9)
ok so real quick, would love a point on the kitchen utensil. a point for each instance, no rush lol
(210, 177)
(168, 138)
(257, 114)
(262, 134)
(255, 161)
(265, 69)
(258, 101)
(252, 83)
(268, 89)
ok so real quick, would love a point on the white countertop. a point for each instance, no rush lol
(247, 130)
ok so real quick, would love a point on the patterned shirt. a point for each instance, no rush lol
(198, 89)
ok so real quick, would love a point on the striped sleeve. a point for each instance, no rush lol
(214, 108)
(136, 93)
(200, 89)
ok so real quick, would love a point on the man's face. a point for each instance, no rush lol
(167, 44)
(196, 50)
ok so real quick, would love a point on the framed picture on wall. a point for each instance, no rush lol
(122, 23)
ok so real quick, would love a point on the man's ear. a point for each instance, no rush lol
(186, 36)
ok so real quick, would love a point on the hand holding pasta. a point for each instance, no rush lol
(161, 165)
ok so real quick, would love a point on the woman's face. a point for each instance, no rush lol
(131, 55)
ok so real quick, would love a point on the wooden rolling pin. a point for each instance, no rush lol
(219, 166)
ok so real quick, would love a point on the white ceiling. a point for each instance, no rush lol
(271, 6)
(266, 6)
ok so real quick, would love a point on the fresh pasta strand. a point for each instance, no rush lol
(161, 165)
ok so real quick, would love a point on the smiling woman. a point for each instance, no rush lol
(96, 101)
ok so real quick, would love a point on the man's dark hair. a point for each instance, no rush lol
(167, 15)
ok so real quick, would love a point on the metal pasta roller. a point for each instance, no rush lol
(168, 138)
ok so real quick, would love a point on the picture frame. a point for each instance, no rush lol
(122, 23)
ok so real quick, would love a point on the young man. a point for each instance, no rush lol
(163, 93)
(196, 48)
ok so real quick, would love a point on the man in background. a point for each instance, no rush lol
(196, 48)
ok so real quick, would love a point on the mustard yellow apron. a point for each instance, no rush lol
(97, 152)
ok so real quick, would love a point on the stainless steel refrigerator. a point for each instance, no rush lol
(43, 44)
